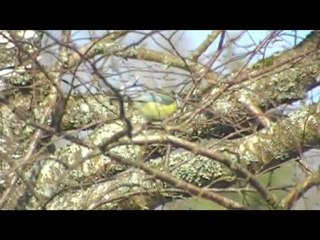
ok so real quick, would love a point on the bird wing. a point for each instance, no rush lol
(153, 97)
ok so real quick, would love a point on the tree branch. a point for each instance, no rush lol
(300, 189)
(205, 45)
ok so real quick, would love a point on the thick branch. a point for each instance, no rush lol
(300, 189)
(205, 45)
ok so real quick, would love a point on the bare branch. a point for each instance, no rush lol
(300, 189)
(205, 45)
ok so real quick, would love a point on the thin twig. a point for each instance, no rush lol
(8, 191)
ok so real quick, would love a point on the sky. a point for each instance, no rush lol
(258, 35)
(188, 40)
(196, 37)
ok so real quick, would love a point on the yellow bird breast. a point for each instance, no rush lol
(153, 111)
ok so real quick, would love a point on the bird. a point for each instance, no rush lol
(155, 106)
